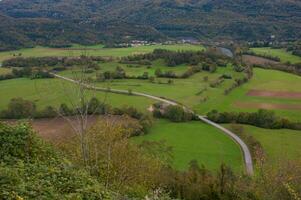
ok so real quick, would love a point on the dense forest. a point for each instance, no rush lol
(59, 23)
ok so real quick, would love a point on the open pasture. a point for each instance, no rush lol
(274, 82)
(131, 69)
(195, 92)
(53, 92)
(195, 141)
(191, 91)
(278, 145)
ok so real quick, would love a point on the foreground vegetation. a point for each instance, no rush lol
(33, 169)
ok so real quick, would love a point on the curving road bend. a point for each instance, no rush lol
(246, 152)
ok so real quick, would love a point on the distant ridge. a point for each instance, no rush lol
(53, 22)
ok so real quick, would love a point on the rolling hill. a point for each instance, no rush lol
(60, 22)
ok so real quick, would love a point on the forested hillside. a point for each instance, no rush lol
(60, 22)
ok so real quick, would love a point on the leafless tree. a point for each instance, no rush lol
(77, 95)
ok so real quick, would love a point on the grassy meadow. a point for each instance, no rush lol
(281, 53)
(195, 141)
(53, 92)
(96, 50)
(194, 92)
(270, 80)
(188, 91)
(278, 145)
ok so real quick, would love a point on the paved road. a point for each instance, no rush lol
(246, 152)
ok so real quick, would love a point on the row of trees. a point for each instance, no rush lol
(261, 118)
(295, 48)
(120, 73)
(19, 108)
(248, 74)
(26, 72)
(52, 61)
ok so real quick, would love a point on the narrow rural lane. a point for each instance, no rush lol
(246, 152)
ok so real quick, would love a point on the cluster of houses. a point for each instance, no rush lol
(135, 43)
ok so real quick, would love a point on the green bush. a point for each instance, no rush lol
(177, 114)
(19, 108)
(32, 169)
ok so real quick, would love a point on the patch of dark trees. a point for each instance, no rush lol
(26, 73)
(295, 48)
(174, 58)
(88, 61)
(262, 118)
(120, 73)
(173, 113)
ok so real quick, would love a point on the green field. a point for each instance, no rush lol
(135, 70)
(270, 80)
(46, 92)
(195, 141)
(278, 145)
(185, 91)
(96, 50)
(280, 53)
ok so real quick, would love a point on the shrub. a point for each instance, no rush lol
(41, 74)
(65, 110)
(32, 169)
(19, 108)
(48, 112)
(174, 114)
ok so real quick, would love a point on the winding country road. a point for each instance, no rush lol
(246, 152)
